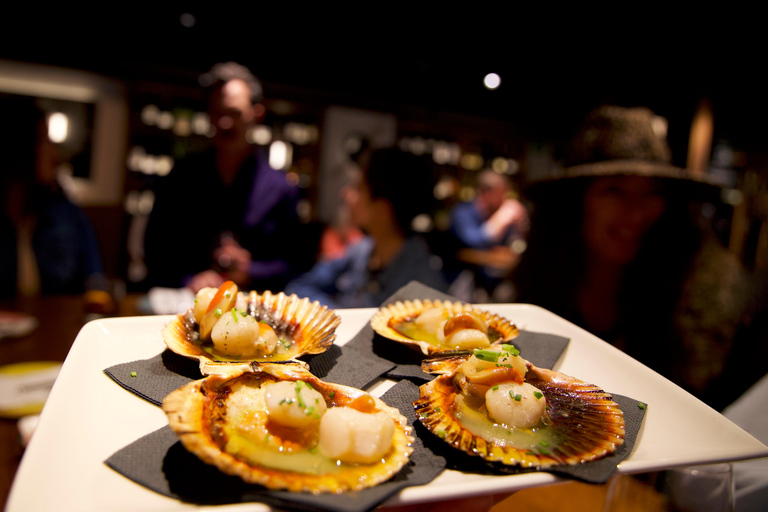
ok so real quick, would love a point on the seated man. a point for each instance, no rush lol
(484, 231)
(392, 189)
(493, 218)
(225, 213)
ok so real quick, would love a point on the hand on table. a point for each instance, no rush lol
(235, 261)
(205, 279)
(511, 212)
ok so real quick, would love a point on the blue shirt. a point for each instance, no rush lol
(467, 227)
(346, 282)
(66, 249)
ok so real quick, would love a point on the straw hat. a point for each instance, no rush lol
(616, 141)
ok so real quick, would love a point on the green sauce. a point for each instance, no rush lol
(415, 332)
(302, 461)
(281, 353)
(521, 438)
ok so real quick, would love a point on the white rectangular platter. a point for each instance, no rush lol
(88, 417)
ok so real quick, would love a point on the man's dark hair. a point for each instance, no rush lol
(223, 72)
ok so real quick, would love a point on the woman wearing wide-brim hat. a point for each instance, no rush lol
(615, 247)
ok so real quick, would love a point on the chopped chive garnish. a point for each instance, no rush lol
(228, 294)
(441, 433)
(313, 450)
(217, 312)
(511, 349)
(544, 443)
(234, 314)
(195, 301)
(517, 397)
(133, 374)
(487, 355)
(331, 394)
(495, 388)
(543, 451)
(298, 394)
(438, 410)
(268, 437)
(641, 405)
(317, 400)
(538, 394)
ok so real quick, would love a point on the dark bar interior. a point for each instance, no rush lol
(121, 101)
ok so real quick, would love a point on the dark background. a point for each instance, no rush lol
(425, 65)
(555, 65)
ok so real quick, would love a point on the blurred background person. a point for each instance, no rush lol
(342, 232)
(339, 236)
(47, 244)
(615, 248)
(392, 188)
(493, 218)
(484, 231)
(225, 213)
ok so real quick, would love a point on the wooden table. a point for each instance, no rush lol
(60, 320)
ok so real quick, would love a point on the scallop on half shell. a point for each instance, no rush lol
(273, 425)
(300, 327)
(580, 422)
(400, 322)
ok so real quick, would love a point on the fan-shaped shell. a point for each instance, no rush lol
(581, 423)
(309, 327)
(223, 420)
(388, 317)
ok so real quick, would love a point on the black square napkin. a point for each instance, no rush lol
(152, 379)
(159, 462)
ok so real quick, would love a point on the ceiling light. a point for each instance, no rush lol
(492, 81)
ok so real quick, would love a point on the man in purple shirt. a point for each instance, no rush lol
(225, 214)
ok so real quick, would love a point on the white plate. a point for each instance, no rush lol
(88, 417)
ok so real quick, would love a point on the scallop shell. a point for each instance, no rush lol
(310, 326)
(582, 422)
(208, 415)
(387, 316)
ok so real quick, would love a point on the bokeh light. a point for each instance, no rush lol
(492, 81)
(58, 125)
